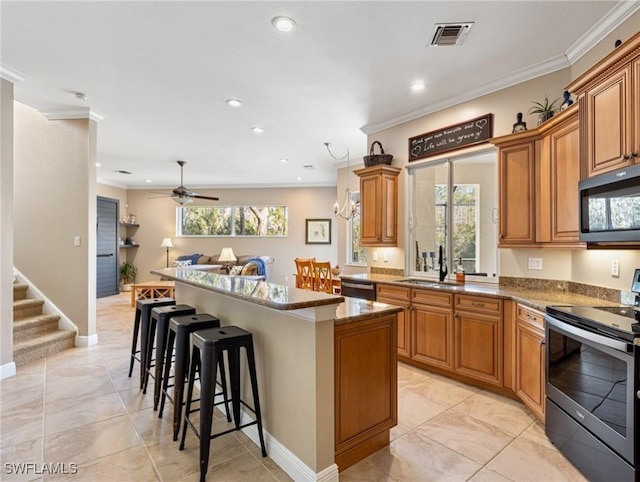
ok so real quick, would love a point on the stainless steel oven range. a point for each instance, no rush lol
(592, 382)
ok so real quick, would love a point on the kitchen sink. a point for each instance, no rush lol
(429, 283)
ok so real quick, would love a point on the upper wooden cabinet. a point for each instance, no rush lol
(379, 205)
(539, 171)
(609, 98)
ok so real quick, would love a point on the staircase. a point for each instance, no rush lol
(35, 335)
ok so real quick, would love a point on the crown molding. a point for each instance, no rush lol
(11, 75)
(537, 70)
(78, 113)
(618, 14)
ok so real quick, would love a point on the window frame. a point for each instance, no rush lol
(233, 214)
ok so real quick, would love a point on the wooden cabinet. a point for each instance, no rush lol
(516, 190)
(432, 328)
(366, 387)
(399, 296)
(608, 97)
(478, 343)
(378, 205)
(530, 353)
(539, 171)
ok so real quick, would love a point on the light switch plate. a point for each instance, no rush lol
(76, 241)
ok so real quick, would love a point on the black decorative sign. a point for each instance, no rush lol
(457, 136)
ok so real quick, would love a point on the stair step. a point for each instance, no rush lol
(19, 291)
(42, 346)
(34, 325)
(27, 307)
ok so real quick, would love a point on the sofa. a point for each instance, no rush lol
(245, 264)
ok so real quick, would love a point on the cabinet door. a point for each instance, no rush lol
(565, 175)
(530, 366)
(378, 205)
(609, 123)
(404, 325)
(517, 194)
(635, 142)
(478, 346)
(370, 210)
(432, 336)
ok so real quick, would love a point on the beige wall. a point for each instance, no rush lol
(54, 198)
(157, 219)
(6, 227)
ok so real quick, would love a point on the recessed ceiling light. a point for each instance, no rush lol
(148, 180)
(98, 164)
(234, 102)
(257, 130)
(418, 86)
(283, 24)
(283, 160)
(299, 178)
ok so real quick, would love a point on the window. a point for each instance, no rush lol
(356, 254)
(212, 221)
(452, 204)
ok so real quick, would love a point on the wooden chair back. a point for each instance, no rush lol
(304, 273)
(322, 272)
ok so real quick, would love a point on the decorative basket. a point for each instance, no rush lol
(375, 159)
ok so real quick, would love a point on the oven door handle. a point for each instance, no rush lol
(587, 335)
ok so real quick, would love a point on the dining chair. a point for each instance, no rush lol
(322, 277)
(304, 273)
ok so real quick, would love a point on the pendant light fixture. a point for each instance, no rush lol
(348, 209)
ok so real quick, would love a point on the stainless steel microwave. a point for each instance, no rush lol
(610, 207)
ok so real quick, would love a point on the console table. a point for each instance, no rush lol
(152, 289)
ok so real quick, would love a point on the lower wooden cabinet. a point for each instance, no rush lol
(399, 296)
(432, 335)
(478, 346)
(366, 387)
(530, 353)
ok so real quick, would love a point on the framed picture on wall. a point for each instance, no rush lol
(318, 231)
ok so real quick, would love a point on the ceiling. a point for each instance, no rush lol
(159, 74)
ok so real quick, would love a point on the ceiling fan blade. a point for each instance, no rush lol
(210, 198)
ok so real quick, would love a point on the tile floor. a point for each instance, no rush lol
(79, 407)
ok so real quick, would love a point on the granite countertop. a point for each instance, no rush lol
(354, 309)
(535, 298)
(250, 289)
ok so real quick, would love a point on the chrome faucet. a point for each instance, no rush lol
(442, 268)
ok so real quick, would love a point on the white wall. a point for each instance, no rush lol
(55, 201)
(157, 219)
(6, 229)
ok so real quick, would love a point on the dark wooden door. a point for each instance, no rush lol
(107, 247)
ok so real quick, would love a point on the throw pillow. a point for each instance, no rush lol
(181, 263)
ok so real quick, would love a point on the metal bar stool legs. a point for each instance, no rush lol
(208, 349)
(180, 328)
(141, 323)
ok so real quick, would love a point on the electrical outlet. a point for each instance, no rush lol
(375, 256)
(535, 263)
(615, 268)
(385, 257)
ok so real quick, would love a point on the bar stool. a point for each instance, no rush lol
(208, 347)
(143, 316)
(180, 327)
(160, 317)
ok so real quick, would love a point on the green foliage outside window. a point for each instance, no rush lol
(233, 221)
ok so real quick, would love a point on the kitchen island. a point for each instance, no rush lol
(323, 409)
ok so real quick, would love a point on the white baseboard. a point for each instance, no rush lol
(287, 460)
(84, 341)
(7, 370)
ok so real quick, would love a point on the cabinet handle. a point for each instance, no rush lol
(531, 317)
(477, 303)
(542, 343)
(625, 157)
(634, 154)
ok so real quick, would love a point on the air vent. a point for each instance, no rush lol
(122, 172)
(309, 166)
(447, 34)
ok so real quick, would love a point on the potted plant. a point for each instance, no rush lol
(128, 274)
(545, 110)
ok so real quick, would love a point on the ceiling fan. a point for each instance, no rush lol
(182, 195)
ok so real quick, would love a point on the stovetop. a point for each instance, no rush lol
(619, 321)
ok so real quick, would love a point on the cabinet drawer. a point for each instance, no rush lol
(530, 316)
(396, 292)
(478, 303)
(430, 297)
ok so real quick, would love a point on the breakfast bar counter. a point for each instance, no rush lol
(327, 367)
